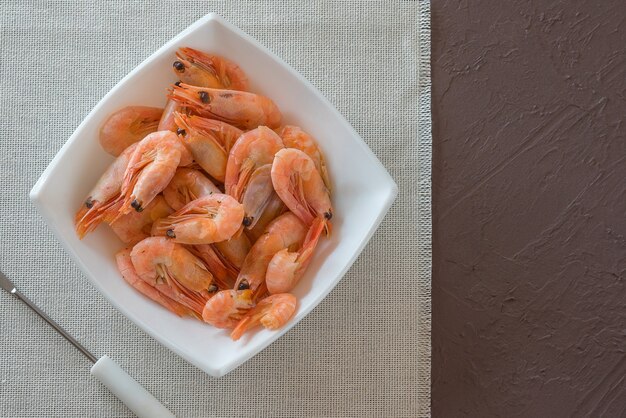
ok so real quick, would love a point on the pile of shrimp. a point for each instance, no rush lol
(219, 205)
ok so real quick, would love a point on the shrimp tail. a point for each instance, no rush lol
(310, 241)
(243, 325)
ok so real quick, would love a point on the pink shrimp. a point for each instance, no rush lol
(173, 271)
(234, 249)
(150, 169)
(294, 137)
(103, 196)
(209, 219)
(258, 195)
(127, 126)
(167, 122)
(241, 109)
(273, 209)
(227, 307)
(273, 313)
(209, 141)
(286, 267)
(187, 185)
(223, 272)
(127, 270)
(300, 186)
(252, 150)
(286, 231)
(135, 226)
(207, 70)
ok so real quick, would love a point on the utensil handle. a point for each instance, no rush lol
(134, 396)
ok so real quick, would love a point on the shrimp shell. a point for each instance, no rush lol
(295, 137)
(209, 141)
(227, 307)
(213, 218)
(103, 196)
(286, 267)
(208, 70)
(174, 270)
(274, 208)
(135, 226)
(187, 185)
(286, 231)
(241, 109)
(125, 266)
(273, 313)
(300, 186)
(252, 150)
(127, 126)
(150, 169)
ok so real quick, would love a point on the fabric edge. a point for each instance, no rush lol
(424, 207)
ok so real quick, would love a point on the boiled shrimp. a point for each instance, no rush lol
(173, 271)
(300, 186)
(103, 196)
(257, 196)
(294, 137)
(286, 267)
(224, 273)
(241, 109)
(150, 169)
(136, 226)
(227, 307)
(286, 231)
(253, 150)
(273, 313)
(209, 219)
(127, 270)
(273, 209)
(207, 70)
(167, 122)
(127, 126)
(187, 185)
(234, 249)
(209, 141)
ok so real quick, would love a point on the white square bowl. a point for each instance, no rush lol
(363, 191)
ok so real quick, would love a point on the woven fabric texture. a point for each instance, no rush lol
(364, 351)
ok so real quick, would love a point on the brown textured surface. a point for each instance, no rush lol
(529, 177)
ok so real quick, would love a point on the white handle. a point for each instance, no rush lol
(134, 396)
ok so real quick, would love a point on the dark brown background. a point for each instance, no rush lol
(529, 175)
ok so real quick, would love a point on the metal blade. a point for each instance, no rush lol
(6, 284)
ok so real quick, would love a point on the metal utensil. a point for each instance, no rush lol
(134, 396)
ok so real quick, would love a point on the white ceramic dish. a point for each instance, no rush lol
(363, 191)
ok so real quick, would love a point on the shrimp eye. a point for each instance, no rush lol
(179, 66)
(204, 96)
(243, 285)
(212, 288)
(247, 220)
(89, 203)
(170, 233)
(180, 131)
(177, 84)
(328, 215)
(136, 205)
